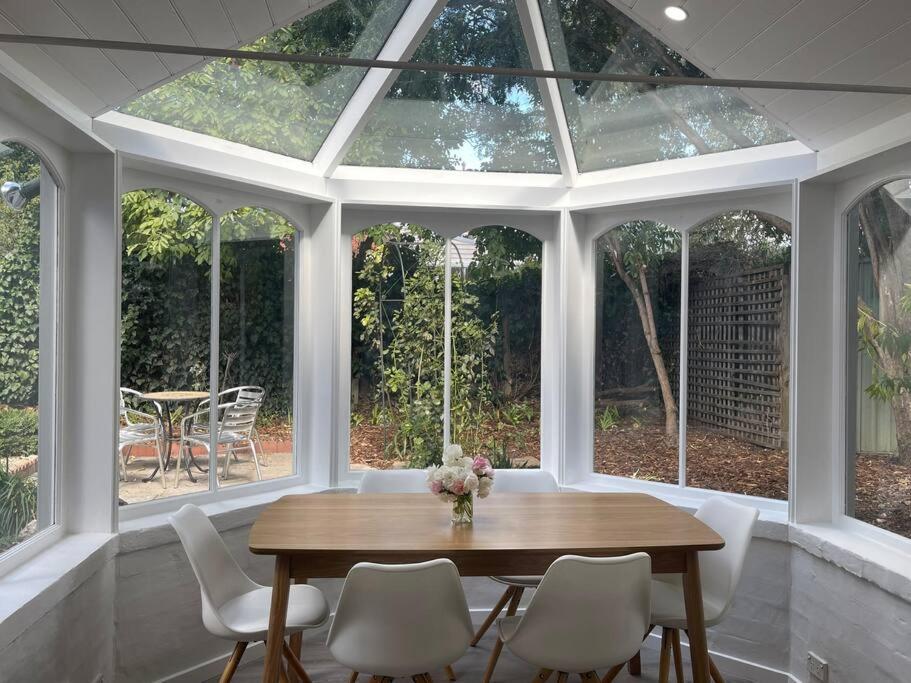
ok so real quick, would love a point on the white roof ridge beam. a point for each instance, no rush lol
(401, 44)
(539, 51)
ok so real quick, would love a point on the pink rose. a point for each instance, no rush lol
(458, 487)
(437, 487)
(481, 465)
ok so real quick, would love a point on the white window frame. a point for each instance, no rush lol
(51, 221)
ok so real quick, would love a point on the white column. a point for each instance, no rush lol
(447, 341)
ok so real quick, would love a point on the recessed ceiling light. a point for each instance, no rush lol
(675, 13)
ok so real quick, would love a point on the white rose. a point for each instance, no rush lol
(484, 487)
(452, 454)
(471, 482)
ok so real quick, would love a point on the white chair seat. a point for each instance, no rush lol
(140, 428)
(523, 581)
(246, 617)
(669, 608)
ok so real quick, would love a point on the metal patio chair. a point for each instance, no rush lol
(234, 427)
(247, 393)
(137, 428)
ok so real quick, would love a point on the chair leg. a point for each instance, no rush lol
(589, 676)
(613, 673)
(543, 675)
(714, 672)
(678, 656)
(259, 474)
(177, 469)
(233, 662)
(664, 662)
(562, 677)
(450, 674)
(259, 445)
(498, 646)
(123, 464)
(494, 613)
(353, 677)
(227, 461)
(296, 643)
(164, 483)
(295, 663)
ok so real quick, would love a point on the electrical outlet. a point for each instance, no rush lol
(818, 667)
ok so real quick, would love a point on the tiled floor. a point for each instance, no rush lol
(469, 669)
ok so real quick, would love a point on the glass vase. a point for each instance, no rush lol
(463, 509)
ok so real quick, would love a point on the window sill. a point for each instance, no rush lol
(31, 590)
(154, 529)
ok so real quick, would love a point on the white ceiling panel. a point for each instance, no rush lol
(739, 26)
(885, 114)
(207, 22)
(106, 21)
(704, 15)
(249, 17)
(158, 22)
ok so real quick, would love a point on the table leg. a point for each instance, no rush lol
(281, 584)
(296, 642)
(166, 426)
(695, 619)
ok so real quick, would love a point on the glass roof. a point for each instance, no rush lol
(620, 124)
(284, 108)
(463, 121)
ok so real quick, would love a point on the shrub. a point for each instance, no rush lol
(18, 432)
(18, 506)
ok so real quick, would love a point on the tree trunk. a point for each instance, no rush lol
(642, 298)
(901, 411)
(508, 385)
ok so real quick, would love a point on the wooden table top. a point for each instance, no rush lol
(418, 525)
(176, 396)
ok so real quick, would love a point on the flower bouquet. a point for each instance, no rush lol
(458, 479)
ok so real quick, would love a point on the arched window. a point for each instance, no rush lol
(878, 443)
(637, 338)
(28, 260)
(738, 359)
(256, 335)
(165, 339)
(397, 347)
(496, 344)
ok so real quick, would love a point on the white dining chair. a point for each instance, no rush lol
(720, 572)
(400, 620)
(588, 613)
(235, 607)
(513, 481)
(393, 481)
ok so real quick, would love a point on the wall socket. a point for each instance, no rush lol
(818, 667)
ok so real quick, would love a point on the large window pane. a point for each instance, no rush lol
(283, 108)
(496, 345)
(256, 342)
(165, 333)
(27, 243)
(879, 444)
(397, 347)
(463, 121)
(618, 124)
(637, 337)
(737, 357)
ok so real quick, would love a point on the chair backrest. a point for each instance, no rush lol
(239, 417)
(524, 481)
(393, 481)
(220, 577)
(248, 394)
(400, 620)
(588, 613)
(721, 569)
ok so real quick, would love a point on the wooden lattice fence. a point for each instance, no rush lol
(738, 355)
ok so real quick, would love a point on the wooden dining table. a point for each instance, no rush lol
(324, 535)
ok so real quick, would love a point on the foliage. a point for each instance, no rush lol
(18, 506)
(18, 433)
(19, 283)
(881, 340)
(608, 419)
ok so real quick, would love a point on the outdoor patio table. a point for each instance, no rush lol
(165, 399)
(316, 536)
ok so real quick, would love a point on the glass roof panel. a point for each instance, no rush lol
(620, 124)
(462, 121)
(284, 108)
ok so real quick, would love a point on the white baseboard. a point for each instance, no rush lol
(212, 668)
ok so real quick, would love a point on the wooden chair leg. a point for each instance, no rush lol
(634, 666)
(664, 662)
(233, 662)
(296, 643)
(589, 676)
(613, 673)
(498, 646)
(494, 613)
(353, 677)
(562, 677)
(542, 675)
(295, 664)
(678, 656)
(450, 674)
(714, 672)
